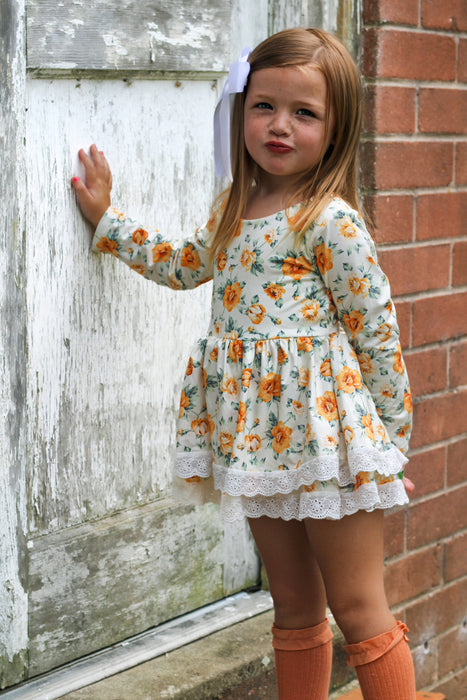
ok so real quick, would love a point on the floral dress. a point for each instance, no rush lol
(297, 403)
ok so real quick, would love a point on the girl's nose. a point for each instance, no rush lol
(279, 123)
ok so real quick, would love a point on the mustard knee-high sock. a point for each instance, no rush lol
(384, 666)
(303, 662)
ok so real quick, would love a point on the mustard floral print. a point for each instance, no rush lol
(296, 403)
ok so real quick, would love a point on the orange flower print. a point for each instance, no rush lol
(203, 426)
(247, 258)
(235, 350)
(359, 285)
(310, 309)
(241, 417)
(161, 252)
(281, 356)
(252, 442)
(408, 405)
(298, 407)
(205, 378)
(275, 291)
(106, 245)
(381, 479)
(349, 380)
(327, 406)
(381, 433)
(269, 386)
(324, 258)
(296, 267)
(184, 403)
(348, 434)
(221, 261)
(137, 267)
(212, 221)
(139, 236)
(229, 385)
(189, 368)
(246, 376)
(402, 432)
(282, 436)
(305, 344)
(226, 441)
(398, 364)
(214, 354)
(354, 322)
(366, 365)
(325, 368)
(367, 424)
(256, 313)
(387, 391)
(292, 220)
(190, 258)
(309, 434)
(193, 479)
(232, 296)
(309, 488)
(361, 478)
(347, 227)
(303, 377)
(174, 282)
(260, 346)
(383, 332)
(331, 441)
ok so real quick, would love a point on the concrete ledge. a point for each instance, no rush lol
(233, 664)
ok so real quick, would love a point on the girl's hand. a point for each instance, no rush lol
(93, 195)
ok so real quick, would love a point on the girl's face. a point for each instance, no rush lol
(284, 123)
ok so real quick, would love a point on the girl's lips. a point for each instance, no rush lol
(278, 147)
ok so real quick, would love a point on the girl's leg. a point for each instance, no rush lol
(302, 638)
(350, 556)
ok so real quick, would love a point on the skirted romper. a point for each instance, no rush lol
(297, 403)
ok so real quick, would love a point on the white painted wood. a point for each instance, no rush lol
(149, 645)
(13, 352)
(128, 35)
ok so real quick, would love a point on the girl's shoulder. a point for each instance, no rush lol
(337, 209)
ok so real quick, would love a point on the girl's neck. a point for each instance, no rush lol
(264, 201)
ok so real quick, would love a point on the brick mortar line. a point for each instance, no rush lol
(414, 137)
(414, 192)
(432, 497)
(400, 607)
(430, 294)
(416, 451)
(370, 81)
(434, 346)
(414, 29)
(440, 394)
(414, 245)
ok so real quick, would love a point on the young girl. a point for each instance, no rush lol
(296, 409)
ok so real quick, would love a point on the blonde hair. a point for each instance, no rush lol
(336, 171)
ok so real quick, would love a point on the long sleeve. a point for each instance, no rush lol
(179, 264)
(346, 257)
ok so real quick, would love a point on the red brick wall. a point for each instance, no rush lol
(414, 174)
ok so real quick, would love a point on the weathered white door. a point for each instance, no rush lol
(92, 547)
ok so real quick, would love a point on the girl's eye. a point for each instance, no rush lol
(306, 112)
(263, 105)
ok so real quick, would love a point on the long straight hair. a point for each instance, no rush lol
(336, 170)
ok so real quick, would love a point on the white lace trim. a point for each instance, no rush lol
(236, 482)
(297, 506)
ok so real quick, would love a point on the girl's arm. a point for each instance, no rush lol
(176, 264)
(346, 256)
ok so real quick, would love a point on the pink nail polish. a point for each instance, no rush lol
(76, 179)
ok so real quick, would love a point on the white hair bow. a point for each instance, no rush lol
(236, 81)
